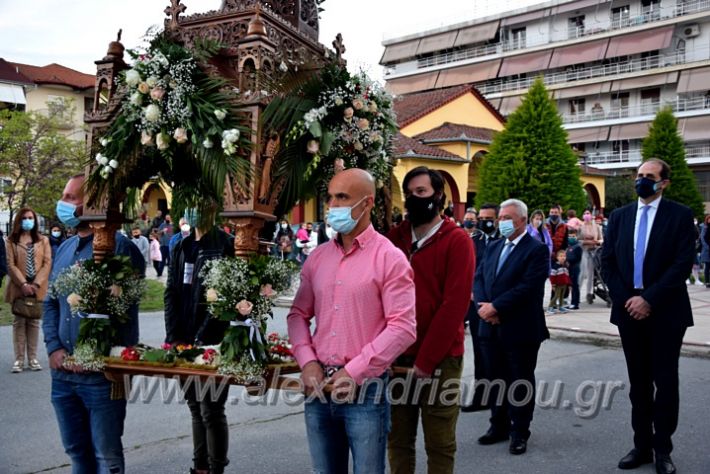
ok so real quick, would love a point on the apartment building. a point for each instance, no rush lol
(609, 65)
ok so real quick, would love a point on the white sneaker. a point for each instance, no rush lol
(698, 283)
(17, 367)
(34, 365)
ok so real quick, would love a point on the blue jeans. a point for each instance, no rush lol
(361, 426)
(91, 426)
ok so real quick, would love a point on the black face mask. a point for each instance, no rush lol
(469, 224)
(554, 219)
(136, 236)
(646, 187)
(421, 210)
(487, 226)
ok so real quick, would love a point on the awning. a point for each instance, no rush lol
(628, 131)
(695, 128)
(467, 74)
(437, 42)
(405, 85)
(570, 7)
(12, 94)
(579, 53)
(477, 33)
(398, 51)
(646, 81)
(525, 63)
(586, 135)
(581, 91)
(524, 18)
(509, 104)
(694, 80)
(495, 103)
(649, 40)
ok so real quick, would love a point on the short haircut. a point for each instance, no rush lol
(518, 204)
(561, 252)
(437, 181)
(135, 227)
(665, 169)
(571, 230)
(556, 206)
(490, 205)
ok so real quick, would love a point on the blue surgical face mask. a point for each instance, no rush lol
(66, 213)
(28, 224)
(341, 220)
(506, 228)
(56, 234)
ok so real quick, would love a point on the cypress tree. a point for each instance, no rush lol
(663, 141)
(531, 160)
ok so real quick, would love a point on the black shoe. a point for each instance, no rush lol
(492, 437)
(590, 298)
(518, 446)
(664, 464)
(635, 458)
(473, 407)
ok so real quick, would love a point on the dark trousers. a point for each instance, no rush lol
(652, 354)
(210, 432)
(479, 372)
(158, 266)
(506, 365)
(574, 276)
(165, 253)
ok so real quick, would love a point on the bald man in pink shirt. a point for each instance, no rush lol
(360, 289)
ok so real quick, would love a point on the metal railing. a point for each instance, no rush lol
(573, 32)
(597, 71)
(680, 104)
(631, 156)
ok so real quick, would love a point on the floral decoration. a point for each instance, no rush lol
(102, 295)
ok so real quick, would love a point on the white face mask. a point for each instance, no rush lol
(284, 226)
(185, 228)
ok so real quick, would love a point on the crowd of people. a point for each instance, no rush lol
(398, 299)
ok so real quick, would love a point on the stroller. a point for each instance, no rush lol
(600, 288)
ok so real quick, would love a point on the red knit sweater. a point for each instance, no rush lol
(443, 277)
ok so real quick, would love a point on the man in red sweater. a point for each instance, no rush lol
(443, 260)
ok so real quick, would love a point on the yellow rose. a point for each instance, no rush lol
(116, 291)
(212, 295)
(143, 88)
(74, 300)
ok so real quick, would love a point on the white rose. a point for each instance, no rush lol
(373, 107)
(163, 141)
(357, 145)
(133, 77)
(180, 135)
(207, 143)
(116, 351)
(231, 135)
(212, 295)
(107, 169)
(152, 81)
(152, 113)
(220, 114)
(338, 101)
(147, 139)
(136, 98)
(113, 164)
(101, 159)
(104, 141)
(312, 147)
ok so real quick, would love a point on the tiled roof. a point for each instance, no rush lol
(56, 74)
(454, 131)
(9, 73)
(411, 107)
(406, 147)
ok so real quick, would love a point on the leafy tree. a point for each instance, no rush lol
(663, 141)
(619, 192)
(531, 160)
(36, 159)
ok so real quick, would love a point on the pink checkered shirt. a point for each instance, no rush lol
(363, 302)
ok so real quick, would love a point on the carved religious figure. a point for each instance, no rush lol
(272, 147)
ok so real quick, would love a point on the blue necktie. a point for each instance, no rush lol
(640, 248)
(504, 255)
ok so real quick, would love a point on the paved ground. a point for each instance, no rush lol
(581, 433)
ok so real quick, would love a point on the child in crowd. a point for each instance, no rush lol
(155, 255)
(574, 259)
(559, 277)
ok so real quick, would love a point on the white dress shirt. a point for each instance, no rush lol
(653, 207)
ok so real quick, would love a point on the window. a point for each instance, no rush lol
(680, 52)
(88, 104)
(517, 38)
(620, 16)
(576, 107)
(651, 10)
(576, 26)
(620, 104)
(703, 179)
(650, 99)
(620, 148)
(649, 59)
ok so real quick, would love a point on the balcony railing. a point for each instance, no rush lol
(619, 23)
(632, 156)
(598, 71)
(680, 104)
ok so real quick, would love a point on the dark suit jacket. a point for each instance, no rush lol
(669, 258)
(517, 292)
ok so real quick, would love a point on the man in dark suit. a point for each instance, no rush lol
(648, 254)
(509, 291)
(483, 237)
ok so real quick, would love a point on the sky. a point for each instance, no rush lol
(75, 33)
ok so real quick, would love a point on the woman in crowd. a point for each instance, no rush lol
(590, 236)
(284, 240)
(29, 260)
(537, 229)
(56, 237)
